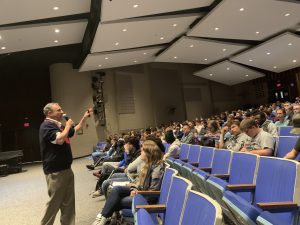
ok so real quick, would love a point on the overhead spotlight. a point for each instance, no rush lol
(242, 9)
(246, 75)
(250, 60)
(56, 30)
(227, 68)
(117, 43)
(205, 59)
(135, 6)
(145, 53)
(289, 44)
(257, 32)
(268, 53)
(175, 57)
(55, 41)
(135, 61)
(217, 28)
(0, 37)
(55, 8)
(191, 46)
(287, 14)
(210, 74)
(174, 25)
(99, 65)
(3, 47)
(275, 67)
(162, 38)
(224, 49)
(294, 60)
(124, 30)
(106, 58)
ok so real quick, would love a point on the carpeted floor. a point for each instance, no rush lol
(23, 196)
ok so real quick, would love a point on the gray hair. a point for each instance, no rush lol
(48, 108)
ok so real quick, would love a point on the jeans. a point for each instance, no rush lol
(98, 155)
(114, 177)
(118, 199)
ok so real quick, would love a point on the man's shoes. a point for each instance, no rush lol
(100, 220)
(96, 194)
(90, 167)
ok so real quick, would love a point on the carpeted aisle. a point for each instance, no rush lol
(23, 196)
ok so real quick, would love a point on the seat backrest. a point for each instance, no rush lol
(166, 147)
(221, 161)
(277, 181)
(285, 144)
(184, 151)
(166, 183)
(285, 131)
(194, 153)
(243, 170)
(206, 156)
(201, 210)
(177, 196)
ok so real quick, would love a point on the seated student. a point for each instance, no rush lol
(296, 130)
(150, 178)
(212, 137)
(282, 120)
(174, 148)
(188, 135)
(266, 125)
(238, 138)
(262, 143)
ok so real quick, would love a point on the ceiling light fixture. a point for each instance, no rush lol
(135, 61)
(205, 59)
(117, 43)
(217, 28)
(287, 14)
(294, 60)
(145, 53)
(55, 41)
(268, 53)
(106, 58)
(99, 65)
(257, 32)
(56, 30)
(174, 25)
(192, 46)
(246, 75)
(224, 49)
(3, 48)
(135, 6)
(175, 57)
(289, 44)
(124, 30)
(0, 37)
(162, 38)
(210, 74)
(55, 8)
(242, 9)
(250, 60)
(275, 67)
(227, 68)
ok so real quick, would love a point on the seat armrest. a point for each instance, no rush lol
(205, 168)
(240, 186)
(184, 160)
(148, 192)
(152, 208)
(219, 175)
(276, 205)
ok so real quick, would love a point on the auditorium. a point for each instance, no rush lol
(150, 112)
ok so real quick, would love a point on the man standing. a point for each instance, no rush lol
(57, 159)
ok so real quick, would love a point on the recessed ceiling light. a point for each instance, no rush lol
(294, 60)
(3, 48)
(246, 75)
(106, 58)
(117, 43)
(275, 67)
(192, 46)
(289, 44)
(224, 49)
(227, 68)
(257, 32)
(145, 53)
(55, 41)
(56, 30)
(242, 9)
(210, 74)
(287, 14)
(268, 53)
(217, 28)
(135, 61)
(162, 38)
(250, 60)
(205, 59)
(174, 25)
(0, 37)
(55, 8)
(135, 6)
(124, 30)
(99, 65)
(175, 57)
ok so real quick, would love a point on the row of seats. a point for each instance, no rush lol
(285, 131)
(250, 189)
(178, 205)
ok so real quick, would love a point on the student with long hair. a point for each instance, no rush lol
(149, 178)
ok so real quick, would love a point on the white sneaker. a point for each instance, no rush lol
(100, 220)
(96, 194)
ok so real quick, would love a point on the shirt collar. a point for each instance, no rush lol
(59, 124)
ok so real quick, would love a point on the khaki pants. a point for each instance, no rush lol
(62, 197)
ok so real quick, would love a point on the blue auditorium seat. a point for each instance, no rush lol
(172, 210)
(183, 156)
(285, 144)
(285, 131)
(276, 191)
(198, 209)
(193, 159)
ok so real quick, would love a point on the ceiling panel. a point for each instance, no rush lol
(248, 20)
(140, 32)
(228, 73)
(278, 54)
(14, 11)
(106, 60)
(36, 36)
(198, 51)
(120, 9)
